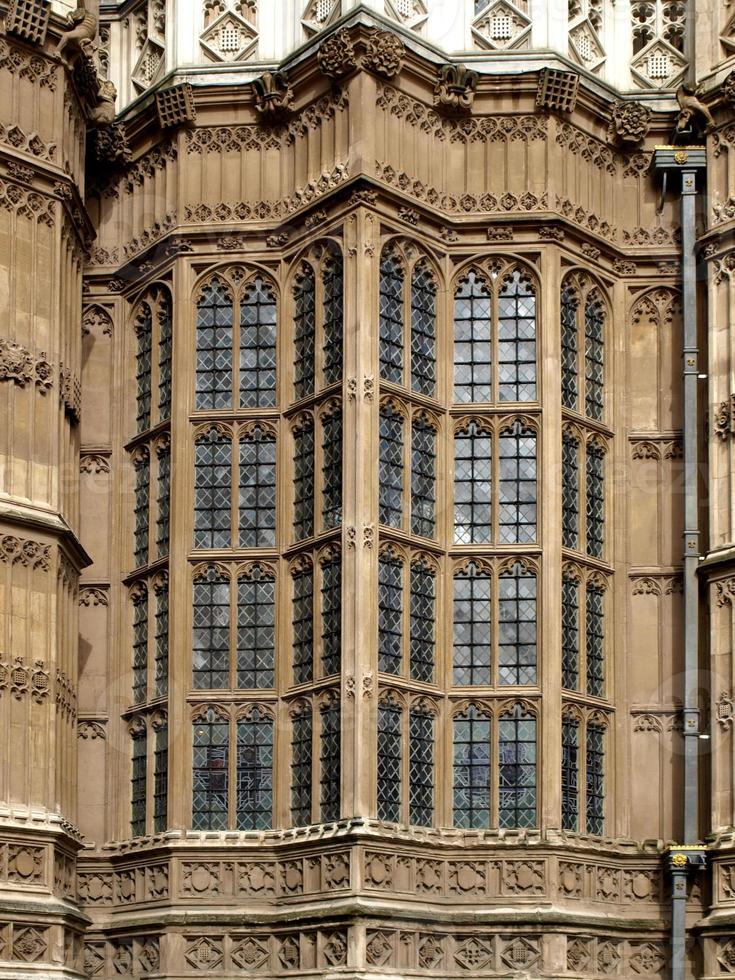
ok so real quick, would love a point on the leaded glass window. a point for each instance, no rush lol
(423, 619)
(389, 762)
(142, 465)
(423, 331)
(140, 644)
(472, 341)
(304, 333)
(517, 772)
(569, 349)
(570, 633)
(160, 664)
(303, 479)
(517, 491)
(214, 347)
(165, 348)
(332, 469)
(212, 490)
(211, 631)
(210, 772)
(472, 485)
(570, 491)
(594, 364)
(595, 640)
(164, 499)
(257, 479)
(517, 626)
(472, 627)
(517, 339)
(472, 769)
(256, 630)
(421, 768)
(144, 333)
(331, 599)
(160, 780)
(258, 346)
(391, 318)
(391, 466)
(329, 761)
(390, 614)
(595, 762)
(255, 771)
(423, 477)
(332, 279)
(301, 732)
(138, 782)
(570, 774)
(595, 492)
(303, 625)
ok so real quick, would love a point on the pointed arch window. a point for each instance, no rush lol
(472, 484)
(303, 477)
(333, 301)
(389, 761)
(211, 630)
(517, 770)
(143, 380)
(595, 499)
(583, 318)
(301, 764)
(256, 629)
(421, 767)
(142, 464)
(210, 792)
(422, 638)
(517, 485)
(517, 625)
(472, 626)
(391, 466)
(165, 352)
(595, 639)
(472, 769)
(305, 332)
(583, 646)
(138, 780)
(140, 643)
(423, 331)
(391, 318)
(595, 763)
(472, 341)
(214, 346)
(318, 321)
(163, 453)
(160, 665)
(258, 346)
(570, 491)
(569, 348)
(390, 613)
(331, 421)
(331, 613)
(212, 489)
(303, 623)
(257, 479)
(583, 772)
(594, 362)
(407, 321)
(516, 339)
(254, 771)
(329, 760)
(570, 652)
(570, 773)
(423, 477)
(160, 776)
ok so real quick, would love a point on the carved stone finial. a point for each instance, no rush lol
(630, 121)
(455, 88)
(694, 116)
(79, 35)
(273, 94)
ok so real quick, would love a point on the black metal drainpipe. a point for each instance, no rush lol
(687, 165)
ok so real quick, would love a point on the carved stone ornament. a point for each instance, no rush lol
(724, 419)
(28, 20)
(728, 89)
(79, 35)
(175, 105)
(18, 365)
(455, 89)
(384, 54)
(725, 710)
(694, 116)
(630, 121)
(273, 94)
(337, 56)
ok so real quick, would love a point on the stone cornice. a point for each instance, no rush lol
(48, 522)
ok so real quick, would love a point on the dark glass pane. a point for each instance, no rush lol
(595, 760)
(333, 317)
(569, 349)
(329, 761)
(517, 492)
(138, 784)
(421, 768)
(331, 616)
(389, 763)
(164, 501)
(214, 347)
(304, 333)
(472, 769)
(303, 478)
(165, 345)
(303, 626)
(594, 363)
(257, 479)
(301, 769)
(142, 509)
(517, 787)
(161, 643)
(423, 332)
(144, 332)
(256, 631)
(160, 781)
(212, 491)
(570, 774)
(472, 486)
(140, 645)
(258, 346)
(595, 637)
(570, 492)
(595, 502)
(391, 467)
(423, 618)
(517, 626)
(570, 634)
(211, 632)
(517, 340)
(210, 773)
(472, 627)
(423, 478)
(332, 470)
(472, 342)
(391, 319)
(390, 615)
(254, 772)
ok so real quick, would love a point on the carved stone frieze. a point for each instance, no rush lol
(28, 143)
(91, 730)
(658, 585)
(724, 419)
(25, 552)
(20, 62)
(19, 365)
(630, 121)
(656, 449)
(27, 204)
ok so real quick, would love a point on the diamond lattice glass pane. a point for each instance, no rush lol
(423, 478)
(595, 504)
(165, 346)
(301, 733)
(569, 349)
(160, 665)
(594, 359)
(212, 491)
(256, 631)
(472, 627)
(142, 511)
(303, 626)
(570, 774)
(144, 331)
(471, 770)
(390, 615)
(595, 641)
(570, 491)
(332, 470)
(423, 618)
(257, 479)
(517, 770)
(138, 784)
(517, 340)
(423, 331)
(164, 502)
(258, 346)
(329, 763)
(304, 333)
(214, 347)
(391, 467)
(517, 626)
(389, 763)
(331, 600)
(472, 486)
(391, 319)
(210, 773)
(595, 763)
(160, 781)
(332, 279)
(421, 768)
(472, 342)
(517, 504)
(140, 646)
(254, 799)
(303, 479)
(211, 632)
(570, 634)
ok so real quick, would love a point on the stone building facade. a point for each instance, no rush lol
(367, 489)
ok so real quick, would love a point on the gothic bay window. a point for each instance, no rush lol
(472, 625)
(517, 625)
(329, 761)
(570, 490)
(211, 629)
(163, 494)
(495, 335)
(583, 771)
(391, 466)
(472, 483)
(318, 315)
(142, 464)
(595, 498)
(472, 769)
(303, 476)
(236, 313)
(583, 630)
(160, 638)
(389, 760)
(257, 487)
(302, 620)
(138, 780)
(331, 610)
(407, 468)
(139, 596)
(254, 804)
(301, 762)
(517, 769)
(405, 771)
(256, 628)
(331, 465)
(212, 488)
(406, 643)
(583, 319)
(407, 320)
(210, 770)
(160, 774)
(517, 484)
